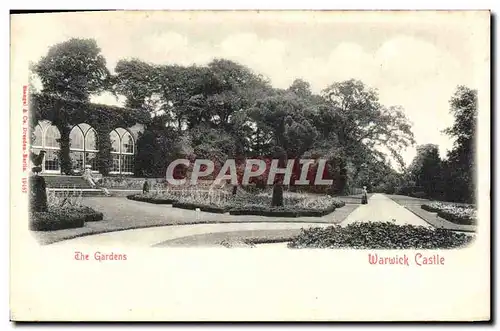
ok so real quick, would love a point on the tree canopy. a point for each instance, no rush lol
(224, 109)
(74, 69)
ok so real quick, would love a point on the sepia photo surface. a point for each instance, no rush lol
(250, 166)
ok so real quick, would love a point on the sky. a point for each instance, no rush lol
(415, 60)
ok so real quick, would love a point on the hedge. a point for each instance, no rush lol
(207, 208)
(158, 201)
(280, 212)
(64, 218)
(269, 212)
(429, 208)
(453, 218)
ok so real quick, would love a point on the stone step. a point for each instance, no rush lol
(74, 182)
(77, 192)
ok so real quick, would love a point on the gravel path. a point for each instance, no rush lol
(186, 235)
(382, 209)
(415, 206)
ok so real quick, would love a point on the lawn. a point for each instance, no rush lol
(246, 238)
(361, 235)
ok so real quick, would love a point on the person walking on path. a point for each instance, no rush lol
(364, 196)
(145, 187)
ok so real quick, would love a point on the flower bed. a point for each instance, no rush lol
(63, 218)
(301, 201)
(243, 203)
(460, 214)
(379, 235)
(136, 183)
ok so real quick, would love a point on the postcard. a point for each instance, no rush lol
(250, 166)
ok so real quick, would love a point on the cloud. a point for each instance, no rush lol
(406, 71)
(406, 60)
(265, 56)
(171, 47)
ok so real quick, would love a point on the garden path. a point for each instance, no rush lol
(158, 236)
(381, 209)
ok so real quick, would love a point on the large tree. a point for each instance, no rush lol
(460, 163)
(425, 170)
(356, 123)
(288, 120)
(137, 81)
(73, 69)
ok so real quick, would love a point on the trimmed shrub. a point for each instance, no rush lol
(277, 197)
(269, 211)
(279, 211)
(55, 220)
(63, 218)
(449, 216)
(38, 194)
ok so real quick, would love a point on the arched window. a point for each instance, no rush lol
(38, 138)
(127, 151)
(76, 138)
(122, 151)
(52, 136)
(115, 142)
(91, 140)
(91, 148)
(46, 137)
(77, 149)
(83, 147)
(127, 143)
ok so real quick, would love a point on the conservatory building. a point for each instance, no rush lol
(79, 137)
(84, 148)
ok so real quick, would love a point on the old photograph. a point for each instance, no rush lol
(257, 130)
